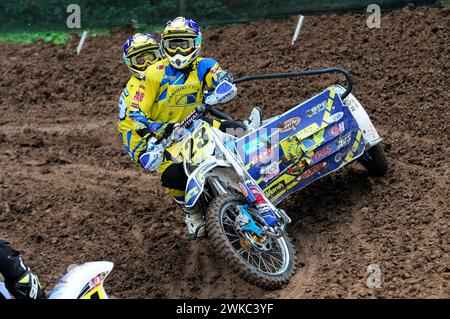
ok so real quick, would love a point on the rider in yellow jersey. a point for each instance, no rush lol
(171, 89)
(139, 51)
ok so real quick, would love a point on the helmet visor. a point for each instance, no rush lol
(180, 46)
(142, 60)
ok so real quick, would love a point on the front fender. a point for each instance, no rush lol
(196, 181)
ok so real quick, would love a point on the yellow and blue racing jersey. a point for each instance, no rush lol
(165, 95)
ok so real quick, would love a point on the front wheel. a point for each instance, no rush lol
(374, 160)
(266, 262)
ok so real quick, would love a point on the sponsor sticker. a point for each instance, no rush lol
(338, 157)
(294, 149)
(298, 167)
(270, 171)
(312, 170)
(344, 140)
(276, 188)
(316, 109)
(321, 153)
(289, 124)
(191, 193)
(335, 117)
(335, 130)
(243, 189)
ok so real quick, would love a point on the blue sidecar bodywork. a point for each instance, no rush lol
(309, 141)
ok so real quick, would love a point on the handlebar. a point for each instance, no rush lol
(224, 116)
(203, 109)
(347, 75)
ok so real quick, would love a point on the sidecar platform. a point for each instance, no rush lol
(309, 141)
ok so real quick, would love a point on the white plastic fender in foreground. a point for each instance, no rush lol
(368, 130)
(81, 280)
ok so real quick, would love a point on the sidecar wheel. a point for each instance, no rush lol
(374, 160)
(219, 221)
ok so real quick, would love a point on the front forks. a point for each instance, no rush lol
(245, 223)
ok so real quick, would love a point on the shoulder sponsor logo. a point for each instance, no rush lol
(344, 140)
(316, 109)
(139, 96)
(312, 171)
(289, 124)
(335, 117)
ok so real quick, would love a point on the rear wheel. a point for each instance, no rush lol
(374, 160)
(266, 262)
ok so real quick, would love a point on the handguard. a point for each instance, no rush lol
(153, 157)
(224, 92)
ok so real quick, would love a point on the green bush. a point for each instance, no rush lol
(56, 37)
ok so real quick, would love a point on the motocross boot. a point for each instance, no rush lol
(255, 119)
(195, 223)
(27, 286)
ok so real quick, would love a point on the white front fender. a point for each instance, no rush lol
(196, 181)
(83, 281)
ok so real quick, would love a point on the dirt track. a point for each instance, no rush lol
(69, 193)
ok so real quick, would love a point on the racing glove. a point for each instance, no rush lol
(163, 132)
(153, 156)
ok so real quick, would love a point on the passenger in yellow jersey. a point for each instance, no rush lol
(171, 89)
(139, 51)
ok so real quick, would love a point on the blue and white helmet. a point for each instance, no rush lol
(140, 51)
(181, 41)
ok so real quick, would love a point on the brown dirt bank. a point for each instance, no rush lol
(69, 194)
